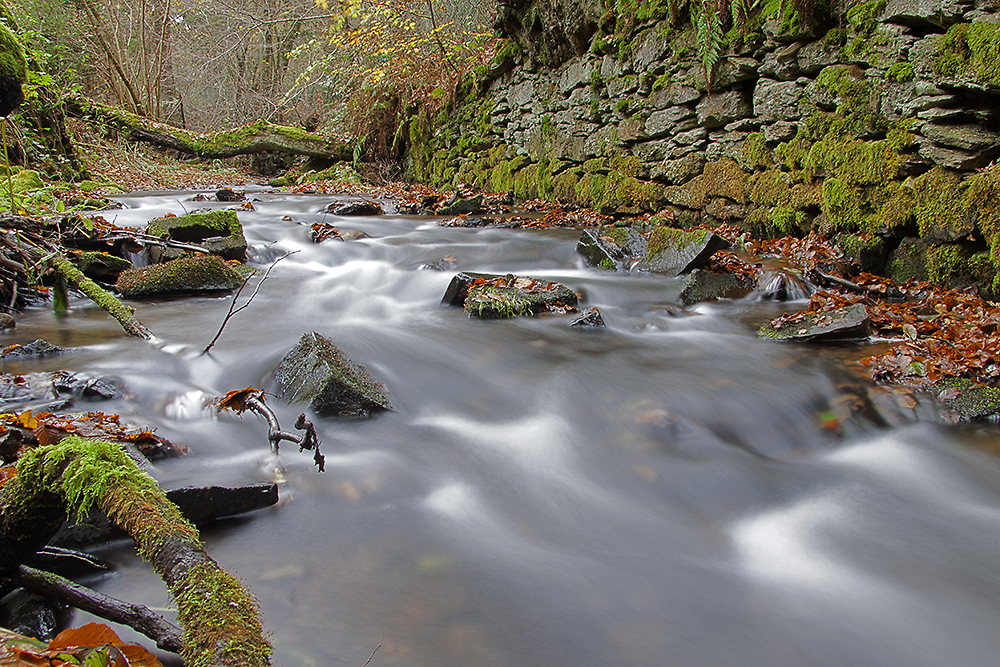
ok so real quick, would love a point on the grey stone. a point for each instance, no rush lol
(814, 56)
(777, 100)
(662, 123)
(185, 275)
(702, 285)
(743, 125)
(953, 158)
(673, 94)
(664, 149)
(849, 323)
(890, 45)
(651, 47)
(317, 372)
(718, 109)
(780, 131)
(783, 70)
(610, 247)
(678, 171)
(576, 75)
(610, 68)
(678, 195)
(673, 252)
(463, 206)
(33, 350)
(691, 137)
(939, 114)
(923, 55)
(925, 102)
(632, 130)
(588, 319)
(966, 137)
(924, 13)
(520, 95)
(623, 85)
(733, 70)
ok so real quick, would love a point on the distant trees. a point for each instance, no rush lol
(208, 64)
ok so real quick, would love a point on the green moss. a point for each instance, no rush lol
(756, 154)
(863, 17)
(596, 82)
(971, 49)
(662, 238)
(901, 71)
(203, 272)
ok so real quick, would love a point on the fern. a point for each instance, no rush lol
(709, 35)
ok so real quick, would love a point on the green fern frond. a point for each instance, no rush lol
(709, 36)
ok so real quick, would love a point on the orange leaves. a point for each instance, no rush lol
(236, 400)
(92, 645)
(49, 428)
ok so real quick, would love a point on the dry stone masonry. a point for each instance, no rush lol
(880, 128)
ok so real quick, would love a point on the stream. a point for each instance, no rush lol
(662, 492)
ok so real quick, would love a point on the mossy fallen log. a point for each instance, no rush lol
(221, 621)
(257, 137)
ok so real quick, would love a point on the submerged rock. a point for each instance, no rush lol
(842, 324)
(611, 247)
(317, 372)
(203, 273)
(490, 296)
(219, 232)
(199, 504)
(32, 350)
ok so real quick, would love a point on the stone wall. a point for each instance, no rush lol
(880, 128)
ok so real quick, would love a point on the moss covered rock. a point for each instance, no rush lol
(490, 296)
(13, 71)
(317, 372)
(219, 232)
(674, 252)
(186, 275)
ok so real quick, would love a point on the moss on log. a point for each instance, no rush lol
(221, 621)
(257, 137)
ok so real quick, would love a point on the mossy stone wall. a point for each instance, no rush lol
(877, 121)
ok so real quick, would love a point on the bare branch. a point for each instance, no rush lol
(233, 310)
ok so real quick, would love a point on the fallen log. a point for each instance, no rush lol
(221, 621)
(257, 137)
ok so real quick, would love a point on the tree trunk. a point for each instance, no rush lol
(221, 622)
(257, 137)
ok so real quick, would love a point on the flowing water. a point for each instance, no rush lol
(670, 491)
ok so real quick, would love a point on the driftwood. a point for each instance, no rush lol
(221, 621)
(257, 137)
(166, 635)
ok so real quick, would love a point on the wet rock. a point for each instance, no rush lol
(588, 319)
(317, 372)
(702, 285)
(463, 206)
(33, 615)
(969, 400)
(842, 324)
(33, 350)
(490, 296)
(187, 275)
(354, 235)
(200, 504)
(100, 266)
(7, 321)
(610, 247)
(228, 194)
(80, 386)
(219, 232)
(674, 252)
(357, 208)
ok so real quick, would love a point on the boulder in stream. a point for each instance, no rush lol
(674, 252)
(219, 232)
(611, 247)
(589, 319)
(186, 275)
(317, 372)
(357, 208)
(33, 350)
(460, 206)
(842, 324)
(489, 296)
(701, 285)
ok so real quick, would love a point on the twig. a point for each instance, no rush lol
(373, 653)
(232, 310)
(308, 439)
(166, 635)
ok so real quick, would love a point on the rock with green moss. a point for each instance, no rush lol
(868, 251)
(489, 296)
(842, 324)
(908, 261)
(219, 232)
(971, 400)
(611, 248)
(13, 71)
(186, 275)
(674, 252)
(100, 265)
(316, 372)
